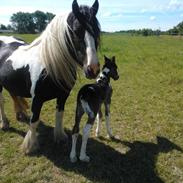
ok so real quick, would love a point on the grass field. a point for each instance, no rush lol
(147, 118)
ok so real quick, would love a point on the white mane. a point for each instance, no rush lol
(54, 53)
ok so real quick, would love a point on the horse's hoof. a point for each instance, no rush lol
(22, 117)
(73, 159)
(60, 138)
(30, 144)
(85, 159)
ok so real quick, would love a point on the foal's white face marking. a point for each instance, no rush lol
(10, 39)
(106, 70)
(90, 49)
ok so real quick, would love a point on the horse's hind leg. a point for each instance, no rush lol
(75, 131)
(20, 106)
(4, 121)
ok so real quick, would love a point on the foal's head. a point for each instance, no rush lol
(110, 68)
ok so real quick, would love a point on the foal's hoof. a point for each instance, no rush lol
(112, 137)
(22, 117)
(85, 159)
(73, 159)
(5, 125)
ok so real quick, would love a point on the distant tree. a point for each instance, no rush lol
(145, 32)
(177, 30)
(40, 20)
(3, 27)
(9, 27)
(23, 22)
(49, 16)
(30, 22)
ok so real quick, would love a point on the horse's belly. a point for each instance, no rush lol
(17, 81)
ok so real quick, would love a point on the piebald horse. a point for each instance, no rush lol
(47, 68)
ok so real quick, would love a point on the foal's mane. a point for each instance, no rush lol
(54, 53)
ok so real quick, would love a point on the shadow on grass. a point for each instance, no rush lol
(107, 165)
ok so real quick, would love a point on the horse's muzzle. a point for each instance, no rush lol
(92, 71)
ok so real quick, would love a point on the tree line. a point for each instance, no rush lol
(177, 30)
(36, 22)
(29, 23)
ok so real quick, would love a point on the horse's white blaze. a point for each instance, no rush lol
(10, 39)
(22, 58)
(90, 49)
(87, 108)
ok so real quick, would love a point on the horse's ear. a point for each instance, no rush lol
(75, 8)
(95, 7)
(113, 58)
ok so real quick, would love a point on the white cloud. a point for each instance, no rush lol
(143, 10)
(112, 15)
(152, 18)
(175, 5)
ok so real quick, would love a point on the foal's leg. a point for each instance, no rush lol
(92, 112)
(98, 120)
(4, 121)
(107, 119)
(30, 143)
(86, 133)
(75, 131)
(59, 133)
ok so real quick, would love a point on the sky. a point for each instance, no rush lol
(113, 15)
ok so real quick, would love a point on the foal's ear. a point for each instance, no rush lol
(113, 58)
(106, 59)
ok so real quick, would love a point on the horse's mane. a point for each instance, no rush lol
(54, 53)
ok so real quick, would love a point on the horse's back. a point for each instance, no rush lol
(8, 45)
(9, 76)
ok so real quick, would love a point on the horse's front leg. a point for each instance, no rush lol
(59, 133)
(30, 143)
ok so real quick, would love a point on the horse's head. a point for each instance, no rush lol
(85, 31)
(111, 68)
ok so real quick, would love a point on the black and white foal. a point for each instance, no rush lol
(89, 100)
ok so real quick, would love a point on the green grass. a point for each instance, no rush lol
(147, 103)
